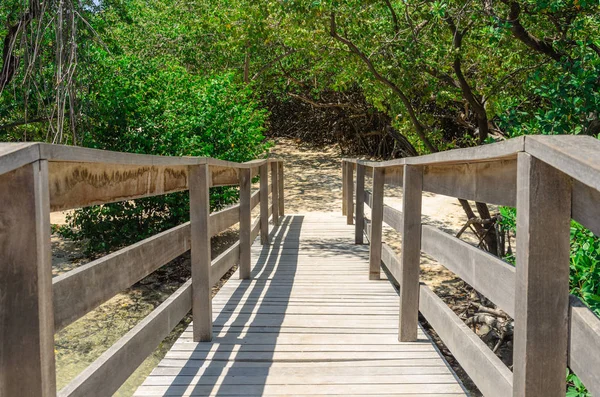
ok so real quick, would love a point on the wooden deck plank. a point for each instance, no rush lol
(309, 322)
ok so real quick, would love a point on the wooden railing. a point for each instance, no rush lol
(550, 180)
(36, 179)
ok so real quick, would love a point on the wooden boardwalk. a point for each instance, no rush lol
(308, 323)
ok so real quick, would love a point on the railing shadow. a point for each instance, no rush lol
(246, 335)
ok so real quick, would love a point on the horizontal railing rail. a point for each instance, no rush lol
(37, 178)
(550, 180)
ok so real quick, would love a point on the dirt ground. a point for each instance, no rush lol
(313, 182)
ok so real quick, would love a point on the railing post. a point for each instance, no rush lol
(349, 193)
(411, 252)
(360, 204)
(344, 189)
(281, 188)
(26, 307)
(245, 223)
(275, 193)
(200, 246)
(376, 223)
(264, 203)
(542, 279)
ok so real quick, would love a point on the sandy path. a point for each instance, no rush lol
(313, 182)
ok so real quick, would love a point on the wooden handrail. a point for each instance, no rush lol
(550, 179)
(37, 178)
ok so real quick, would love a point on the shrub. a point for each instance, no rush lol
(157, 107)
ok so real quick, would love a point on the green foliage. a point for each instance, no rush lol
(157, 107)
(574, 386)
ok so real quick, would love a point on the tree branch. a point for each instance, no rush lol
(526, 37)
(325, 105)
(273, 62)
(420, 130)
(23, 122)
(394, 16)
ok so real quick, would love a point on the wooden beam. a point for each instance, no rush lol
(281, 196)
(224, 262)
(486, 370)
(542, 279)
(584, 206)
(75, 185)
(493, 182)
(264, 204)
(254, 199)
(393, 218)
(245, 225)
(584, 345)
(85, 288)
(224, 176)
(376, 224)
(106, 375)
(360, 204)
(344, 188)
(368, 199)
(392, 262)
(201, 252)
(224, 219)
(573, 155)
(349, 193)
(26, 314)
(17, 155)
(411, 253)
(255, 229)
(275, 192)
(488, 274)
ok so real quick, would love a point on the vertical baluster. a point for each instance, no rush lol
(349, 193)
(281, 189)
(411, 253)
(275, 193)
(264, 203)
(26, 310)
(542, 279)
(376, 223)
(245, 223)
(344, 187)
(200, 234)
(360, 204)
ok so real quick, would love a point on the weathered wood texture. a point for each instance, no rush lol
(245, 223)
(264, 204)
(344, 187)
(275, 192)
(542, 279)
(224, 262)
(281, 185)
(85, 288)
(26, 313)
(486, 182)
(490, 375)
(106, 375)
(488, 274)
(584, 345)
(360, 204)
(376, 224)
(392, 262)
(200, 247)
(349, 193)
(411, 253)
(306, 324)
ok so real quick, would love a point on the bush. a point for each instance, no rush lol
(157, 107)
